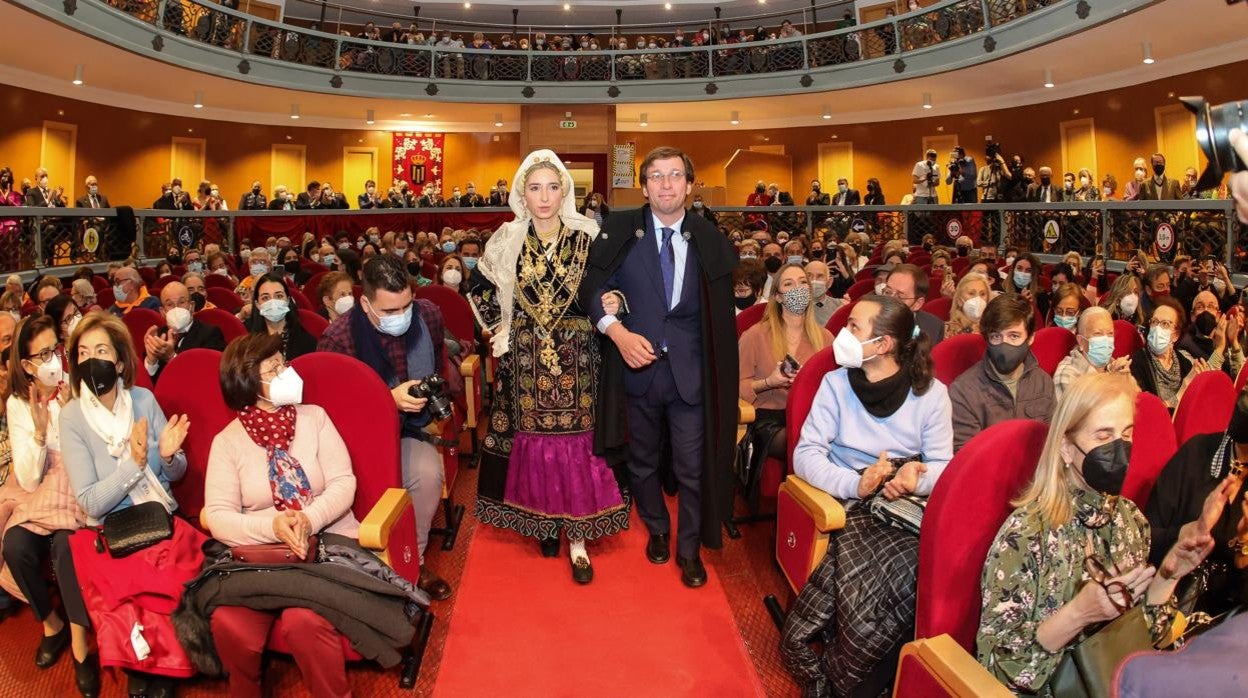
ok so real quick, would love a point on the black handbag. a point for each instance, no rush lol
(134, 528)
(905, 512)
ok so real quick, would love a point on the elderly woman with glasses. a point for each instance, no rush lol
(1074, 554)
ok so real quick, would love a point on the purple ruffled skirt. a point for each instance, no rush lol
(558, 475)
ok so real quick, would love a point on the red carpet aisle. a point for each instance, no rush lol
(522, 627)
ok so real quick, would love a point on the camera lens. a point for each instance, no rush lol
(1213, 133)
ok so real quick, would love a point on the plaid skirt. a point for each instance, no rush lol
(859, 603)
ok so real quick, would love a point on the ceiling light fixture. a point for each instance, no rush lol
(1048, 77)
(369, 117)
(645, 120)
(467, 6)
(827, 113)
(1148, 52)
(78, 74)
(667, 5)
(498, 121)
(736, 118)
(199, 100)
(927, 100)
(567, 6)
(294, 111)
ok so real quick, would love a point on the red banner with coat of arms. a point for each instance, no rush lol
(418, 159)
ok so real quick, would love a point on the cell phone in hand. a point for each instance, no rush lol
(789, 367)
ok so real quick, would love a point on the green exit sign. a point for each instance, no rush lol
(567, 123)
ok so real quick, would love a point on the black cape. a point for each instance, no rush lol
(716, 260)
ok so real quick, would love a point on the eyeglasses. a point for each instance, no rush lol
(893, 293)
(43, 356)
(273, 371)
(1163, 324)
(656, 177)
(1199, 308)
(1066, 312)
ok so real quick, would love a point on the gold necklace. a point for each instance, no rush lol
(547, 297)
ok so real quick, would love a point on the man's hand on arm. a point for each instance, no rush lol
(635, 349)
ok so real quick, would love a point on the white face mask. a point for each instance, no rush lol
(973, 308)
(344, 304)
(286, 388)
(1129, 303)
(179, 319)
(847, 350)
(73, 325)
(50, 372)
(452, 277)
(879, 288)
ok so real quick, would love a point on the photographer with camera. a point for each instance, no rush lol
(963, 176)
(926, 176)
(994, 175)
(1014, 189)
(401, 338)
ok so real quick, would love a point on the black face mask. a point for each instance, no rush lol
(760, 189)
(772, 264)
(1159, 170)
(1046, 181)
(292, 267)
(927, 246)
(963, 250)
(1006, 357)
(816, 254)
(100, 375)
(1105, 467)
(1205, 323)
(174, 259)
(815, 188)
(198, 301)
(255, 190)
(413, 268)
(745, 302)
(1238, 429)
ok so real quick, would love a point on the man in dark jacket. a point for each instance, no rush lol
(673, 270)
(910, 284)
(180, 333)
(1008, 383)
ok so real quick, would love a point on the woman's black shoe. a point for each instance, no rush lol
(582, 571)
(87, 676)
(51, 647)
(550, 547)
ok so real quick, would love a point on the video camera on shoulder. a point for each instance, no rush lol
(1213, 133)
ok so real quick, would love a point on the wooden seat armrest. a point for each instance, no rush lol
(375, 528)
(827, 513)
(955, 668)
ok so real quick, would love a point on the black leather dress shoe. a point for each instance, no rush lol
(433, 585)
(659, 549)
(87, 676)
(692, 573)
(582, 571)
(550, 547)
(51, 647)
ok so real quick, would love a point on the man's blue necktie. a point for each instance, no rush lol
(667, 264)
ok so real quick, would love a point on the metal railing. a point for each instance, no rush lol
(233, 31)
(34, 239)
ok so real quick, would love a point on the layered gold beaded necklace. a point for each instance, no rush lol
(548, 285)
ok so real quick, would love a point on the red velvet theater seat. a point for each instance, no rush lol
(231, 327)
(1127, 338)
(955, 354)
(1206, 406)
(1051, 345)
(749, 317)
(1153, 445)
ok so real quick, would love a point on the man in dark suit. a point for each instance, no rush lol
(180, 333)
(93, 198)
(173, 198)
(1044, 191)
(673, 271)
(909, 284)
(253, 200)
(1159, 187)
(310, 198)
(471, 199)
(370, 198)
(499, 194)
(44, 195)
(333, 199)
(844, 195)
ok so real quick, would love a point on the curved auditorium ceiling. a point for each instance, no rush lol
(1101, 58)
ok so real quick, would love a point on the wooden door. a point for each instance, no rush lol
(942, 144)
(1079, 149)
(1176, 139)
(288, 166)
(186, 162)
(359, 164)
(57, 153)
(836, 160)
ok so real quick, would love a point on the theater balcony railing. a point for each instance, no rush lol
(33, 240)
(201, 35)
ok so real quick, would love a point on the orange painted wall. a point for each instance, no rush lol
(1125, 129)
(129, 150)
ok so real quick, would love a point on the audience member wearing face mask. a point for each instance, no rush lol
(1033, 613)
(1008, 382)
(1093, 352)
(880, 423)
(770, 354)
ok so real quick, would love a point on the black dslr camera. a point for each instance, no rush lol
(1213, 132)
(993, 149)
(433, 389)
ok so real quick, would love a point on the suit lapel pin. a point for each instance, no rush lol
(639, 233)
